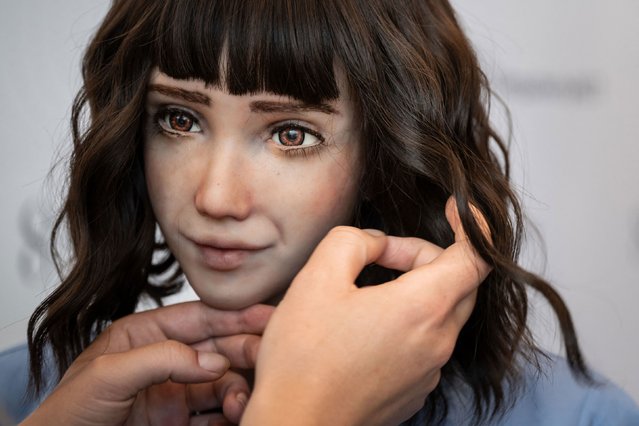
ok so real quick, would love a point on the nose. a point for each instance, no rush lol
(224, 189)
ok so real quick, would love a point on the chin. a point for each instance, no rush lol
(236, 291)
(236, 302)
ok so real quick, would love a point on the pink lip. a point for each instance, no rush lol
(223, 259)
(225, 256)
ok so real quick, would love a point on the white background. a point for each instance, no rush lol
(567, 71)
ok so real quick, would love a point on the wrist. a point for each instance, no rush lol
(280, 409)
(292, 405)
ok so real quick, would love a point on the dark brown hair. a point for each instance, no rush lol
(423, 104)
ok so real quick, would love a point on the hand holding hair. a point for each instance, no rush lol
(159, 366)
(336, 354)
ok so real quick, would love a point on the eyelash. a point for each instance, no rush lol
(162, 114)
(298, 150)
(293, 151)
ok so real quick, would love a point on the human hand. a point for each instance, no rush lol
(158, 367)
(341, 355)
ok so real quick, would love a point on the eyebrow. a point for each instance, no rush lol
(291, 107)
(186, 95)
(255, 106)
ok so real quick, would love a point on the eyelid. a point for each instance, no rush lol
(299, 126)
(163, 110)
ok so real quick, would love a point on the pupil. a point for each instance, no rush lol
(292, 137)
(181, 122)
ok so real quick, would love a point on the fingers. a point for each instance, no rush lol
(451, 277)
(233, 391)
(194, 321)
(124, 374)
(164, 404)
(240, 350)
(189, 323)
(453, 273)
(452, 215)
(461, 260)
(341, 256)
(458, 267)
(230, 392)
(405, 254)
(213, 419)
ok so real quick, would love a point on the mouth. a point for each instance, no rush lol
(226, 256)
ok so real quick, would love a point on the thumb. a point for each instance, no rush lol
(452, 215)
(341, 256)
(120, 376)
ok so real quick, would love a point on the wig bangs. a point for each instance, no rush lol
(280, 46)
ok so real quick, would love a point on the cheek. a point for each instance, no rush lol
(333, 199)
(166, 184)
(155, 183)
(327, 201)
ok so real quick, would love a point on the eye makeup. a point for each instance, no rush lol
(292, 136)
(175, 121)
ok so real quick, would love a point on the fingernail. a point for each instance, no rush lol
(242, 398)
(213, 362)
(374, 232)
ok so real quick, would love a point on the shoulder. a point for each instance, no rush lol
(555, 397)
(14, 378)
(552, 397)
(16, 402)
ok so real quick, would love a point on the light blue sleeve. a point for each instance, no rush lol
(15, 401)
(556, 398)
(550, 398)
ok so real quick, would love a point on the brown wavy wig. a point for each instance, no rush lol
(422, 101)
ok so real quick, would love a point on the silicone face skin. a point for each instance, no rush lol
(244, 187)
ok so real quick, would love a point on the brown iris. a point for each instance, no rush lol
(291, 136)
(180, 121)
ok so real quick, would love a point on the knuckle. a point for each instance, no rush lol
(472, 265)
(124, 332)
(348, 238)
(173, 350)
(341, 232)
(118, 327)
(172, 346)
(99, 365)
(249, 348)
